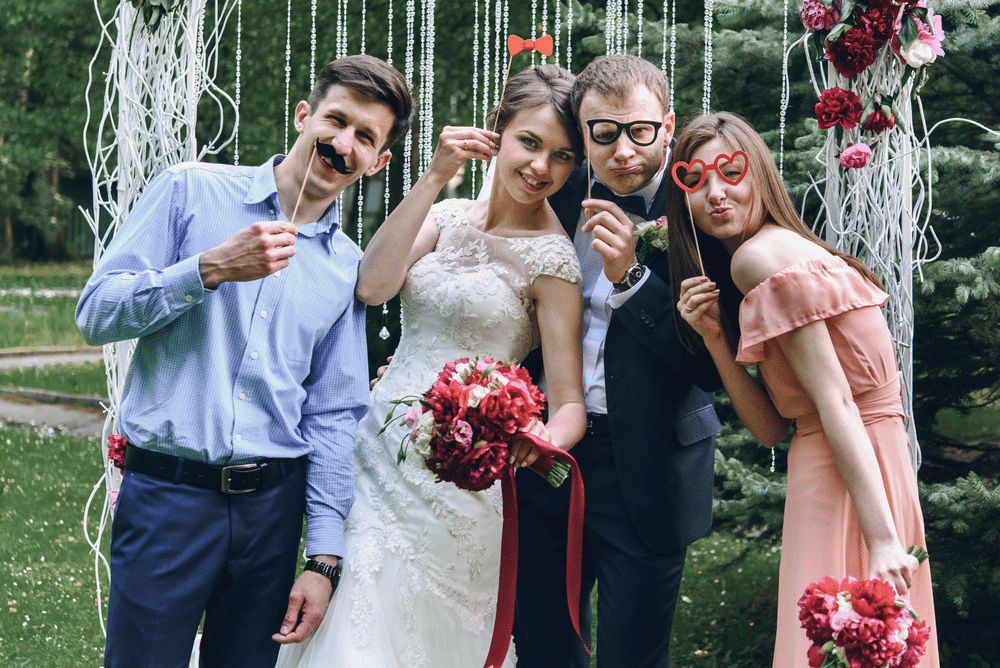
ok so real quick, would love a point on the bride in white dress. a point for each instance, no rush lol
(490, 278)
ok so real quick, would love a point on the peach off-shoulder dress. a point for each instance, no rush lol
(821, 534)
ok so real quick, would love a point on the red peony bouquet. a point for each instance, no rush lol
(861, 624)
(464, 424)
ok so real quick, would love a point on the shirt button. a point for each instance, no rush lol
(243, 395)
(238, 438)
(188, 298)
(253, 355)
(145, 324)
(277, 273)
(263, 314)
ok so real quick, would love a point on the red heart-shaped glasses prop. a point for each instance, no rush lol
(723, 158)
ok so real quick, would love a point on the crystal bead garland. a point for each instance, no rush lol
(475, 86)
(557, 29)
(361, 181)
(384, 332)
(534, 26)
(623, 26)
(569, 35)
(239, 64)
(784, 112)
(427, 39)
(663, 51)
(673, 46)
(609, 27)
(408, 73)
(638, 26)
(498, 53)
(312, 42)
(706, 98)
(288, 72)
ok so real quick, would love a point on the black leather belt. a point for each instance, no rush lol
(235, 479)
(597, 425)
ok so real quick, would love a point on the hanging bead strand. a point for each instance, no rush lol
(638, 25)
(475, 87)
(569, 35)
(239, 71)
(384, 332)
(673, 49)
(784, 112)
(557, 29)
(288, 74)
(706, 99)
(408, 143)
(312, 41)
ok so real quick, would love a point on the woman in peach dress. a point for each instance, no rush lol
(808, 316)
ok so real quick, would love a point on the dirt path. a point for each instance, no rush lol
(38, 408)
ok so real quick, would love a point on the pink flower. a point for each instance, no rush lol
(837, 106)
(855, 155)
(462, 433)
(916, 644)
(927, 46)
(413, 418)
(817, 16)
(114, 502)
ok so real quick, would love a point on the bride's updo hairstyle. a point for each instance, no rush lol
(770, 203)
(534, 87)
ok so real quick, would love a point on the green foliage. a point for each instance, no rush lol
(963, 538)
(956, 352)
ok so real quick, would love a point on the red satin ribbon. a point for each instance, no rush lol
(542, 45)
(504, 623)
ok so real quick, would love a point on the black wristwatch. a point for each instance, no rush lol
(632, 276)
(332, 572)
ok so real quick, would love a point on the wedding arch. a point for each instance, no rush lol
(165, 57)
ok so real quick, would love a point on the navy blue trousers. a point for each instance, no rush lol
(179, 551)
(637, 588)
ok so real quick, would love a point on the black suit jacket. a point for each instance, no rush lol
(660, 401)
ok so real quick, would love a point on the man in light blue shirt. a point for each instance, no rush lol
(248, 379)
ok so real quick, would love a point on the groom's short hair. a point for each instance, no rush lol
(374, 80)
(614, 77)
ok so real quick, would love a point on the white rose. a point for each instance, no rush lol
(476, 394)
(919, 53)
(462, 372)
(422, 439)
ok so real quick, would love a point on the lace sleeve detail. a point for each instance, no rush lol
(553, 255)
(449, 213)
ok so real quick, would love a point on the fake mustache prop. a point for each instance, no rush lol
(329, 153)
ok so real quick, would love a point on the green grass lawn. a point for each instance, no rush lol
(45, 275)
(49, 617)
(725, 615)
(87, 379)
(38, 319)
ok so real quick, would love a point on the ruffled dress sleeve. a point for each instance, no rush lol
(553, 255)
(798, 295)
(449, 213)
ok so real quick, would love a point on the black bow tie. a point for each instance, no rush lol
(633, 204)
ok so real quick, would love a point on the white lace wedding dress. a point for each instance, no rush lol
(419, 586)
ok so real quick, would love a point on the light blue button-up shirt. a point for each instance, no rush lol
(275, 367)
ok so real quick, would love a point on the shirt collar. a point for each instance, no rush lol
(264, 188)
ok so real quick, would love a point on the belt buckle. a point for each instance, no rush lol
(227, 472)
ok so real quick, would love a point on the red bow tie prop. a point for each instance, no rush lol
(542, 45)
(516, 45)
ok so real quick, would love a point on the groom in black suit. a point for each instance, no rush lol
(647, 457)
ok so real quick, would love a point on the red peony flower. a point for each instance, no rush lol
(116, 451)
(869, 642)
(877, 122)
(816, 656)
(879, 20)
(815, 607)
(916, 644)
(837, 106)
(852, 52)
(874, 598)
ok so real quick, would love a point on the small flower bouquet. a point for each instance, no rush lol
(861, 624)
(464, 424)
(650, 234)
(116, 451)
